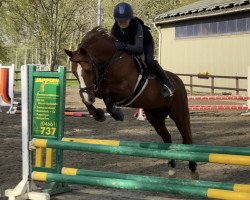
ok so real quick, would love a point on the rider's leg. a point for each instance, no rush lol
(116, 113)
(168, 88)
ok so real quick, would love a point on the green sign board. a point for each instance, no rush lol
(46, 106)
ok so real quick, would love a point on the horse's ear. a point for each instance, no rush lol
(83, 51)
(68, 52)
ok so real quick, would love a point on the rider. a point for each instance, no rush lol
(133, 36)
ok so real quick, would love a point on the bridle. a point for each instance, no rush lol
(100, 72)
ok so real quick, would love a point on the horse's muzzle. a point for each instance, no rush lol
(88, 98)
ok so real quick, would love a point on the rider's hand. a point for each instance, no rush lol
(120, 45)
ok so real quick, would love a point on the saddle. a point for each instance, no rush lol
(141, 83)
(145, 75)
(142, 67)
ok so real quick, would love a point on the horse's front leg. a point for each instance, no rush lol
(88, 99)
(114, 112)
(97, 113)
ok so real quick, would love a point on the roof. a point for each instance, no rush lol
(203, 8)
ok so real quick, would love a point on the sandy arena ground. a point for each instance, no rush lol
(208, 128)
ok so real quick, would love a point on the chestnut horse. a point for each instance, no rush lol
(112, 75)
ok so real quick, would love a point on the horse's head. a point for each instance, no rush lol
(82, 69)
(91, 60)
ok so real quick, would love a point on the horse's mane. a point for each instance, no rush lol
(93, 35)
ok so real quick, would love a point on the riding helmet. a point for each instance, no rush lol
(123, 11)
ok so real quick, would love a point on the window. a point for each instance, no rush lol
(241, 25)
(213, 28)
(197, 29)
(230, 24)
(205, 27)
(190, 30)
(177, 32)
(181, 31)
(248, 24)
(222, 26)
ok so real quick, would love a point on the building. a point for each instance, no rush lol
(206, 36)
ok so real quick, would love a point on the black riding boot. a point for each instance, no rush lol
(168, 87)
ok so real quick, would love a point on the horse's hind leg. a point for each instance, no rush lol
(156, 118)
(182, 122)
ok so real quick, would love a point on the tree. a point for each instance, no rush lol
(48, 25)
(3, 54)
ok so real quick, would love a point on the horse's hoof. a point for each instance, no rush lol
(195, 175)
(117, 114)
(172, 173)
(99, 115)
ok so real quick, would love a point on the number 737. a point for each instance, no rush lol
(48, 131)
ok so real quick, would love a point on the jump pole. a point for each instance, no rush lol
(166, 146)
(137, 185)
(156, 180)
(219, 97)
(140, 152)
(218, 107)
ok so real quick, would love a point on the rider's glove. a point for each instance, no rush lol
(120, 45)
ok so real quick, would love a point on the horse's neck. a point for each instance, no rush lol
(122, 78)
(122, 72)
(101, 55)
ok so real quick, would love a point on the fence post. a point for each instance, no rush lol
(247, 113)
(191, 84)
(212, 85)
(237, 86)
(248, 89)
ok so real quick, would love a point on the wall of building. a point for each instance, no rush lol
(218, 55)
